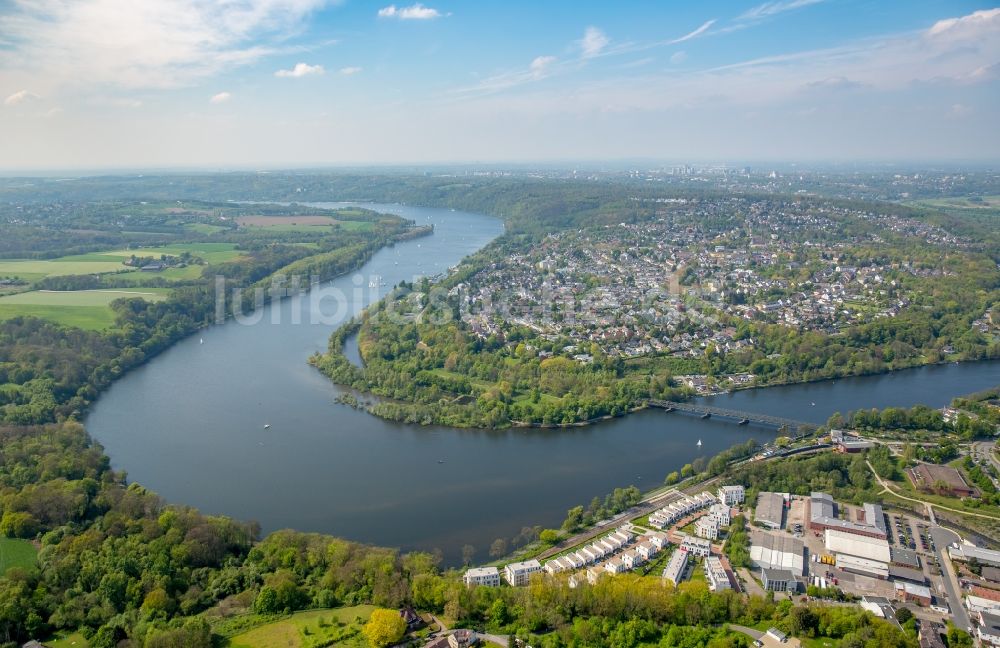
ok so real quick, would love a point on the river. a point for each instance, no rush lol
(190, 425)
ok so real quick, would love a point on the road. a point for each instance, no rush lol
(986, 448)
(942, 538)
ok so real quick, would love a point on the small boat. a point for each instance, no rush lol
(440, 461)
(267, 426)
(699, 443)
(812, 404)
(201, 340)
(706, 415)
(744, 421)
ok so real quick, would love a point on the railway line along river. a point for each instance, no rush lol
(190, 425)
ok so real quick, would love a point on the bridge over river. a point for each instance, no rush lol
(706, 411)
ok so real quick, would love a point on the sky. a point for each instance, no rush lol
(298, 83)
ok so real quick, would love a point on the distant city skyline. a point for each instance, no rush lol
(313, 83)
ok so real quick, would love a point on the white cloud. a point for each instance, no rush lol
(300, 70)
(540, 65)
(973, 26)
(147, 43)
(413, 12)
(222, 97)
(694, 34)
(20, 96)
(678, 57)
(350, 70)
(775, 7)
(594, 40)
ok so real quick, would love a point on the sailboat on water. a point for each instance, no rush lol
(699, 443)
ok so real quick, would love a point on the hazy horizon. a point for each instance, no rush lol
(175, 85)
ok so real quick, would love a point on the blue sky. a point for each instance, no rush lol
(92, 83)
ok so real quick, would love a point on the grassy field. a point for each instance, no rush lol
(986, 202)
(338, 627)
(210, 252)
(86, 309)
(31, 269)
(16, 553)
(74, 640)
(301, 223)
(112, 261)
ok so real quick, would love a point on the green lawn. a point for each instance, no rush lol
(356, 226)
(74, 640)
(16, 553)
(336, 627)
(112, 261)
(31, 269)
(86, 309)
(210, 252)
(205, 228)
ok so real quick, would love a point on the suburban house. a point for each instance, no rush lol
(519, 573)
(674, 571)
(487, 576)
(731, 495)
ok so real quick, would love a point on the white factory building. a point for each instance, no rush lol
(777, 552)
(852, 544)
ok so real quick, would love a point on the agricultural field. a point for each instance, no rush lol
(17, 553)
(338, 627)
(960, 202)
(86, 309)
(210, 252)
(113, 261)
(301, 223)
(33, 269)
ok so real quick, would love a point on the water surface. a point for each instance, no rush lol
(190, 425)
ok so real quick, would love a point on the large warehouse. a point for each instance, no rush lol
(773, 551)
(823, 515)
(842, 542)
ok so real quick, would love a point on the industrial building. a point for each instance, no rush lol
(779, 580)
(770, 510)
(823, 515)
(842, 542)
(863, 566)
(965, 553)
(777, 551)
(910, 593)
(929, 477)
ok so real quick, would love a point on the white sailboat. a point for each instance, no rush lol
(699, 443)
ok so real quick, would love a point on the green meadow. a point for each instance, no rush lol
(17, 553)
(86, 309)
(337, 627)
(112, 261)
